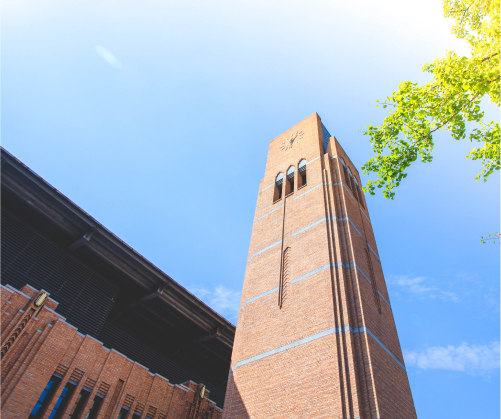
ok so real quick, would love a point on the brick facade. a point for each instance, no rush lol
(37, 344)
(315, 335)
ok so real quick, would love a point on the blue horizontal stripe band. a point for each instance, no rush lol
(311, 338)
(315, 271)
(266, 248)
(268, 213)
(326, 219)
(250, 300)
(386, 349)
(375, 254)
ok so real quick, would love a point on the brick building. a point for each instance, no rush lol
(315, 335)
(90, 328)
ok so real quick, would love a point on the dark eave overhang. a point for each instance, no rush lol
(86, 231)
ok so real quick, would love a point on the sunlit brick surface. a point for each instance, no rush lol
(329, 351)
(48, 345)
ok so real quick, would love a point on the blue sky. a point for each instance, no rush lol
(155, 117)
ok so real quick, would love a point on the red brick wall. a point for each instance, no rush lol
(300, 360)
(47, 344)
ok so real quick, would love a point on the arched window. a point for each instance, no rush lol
(301, 180)
(359, 193)
(289, 187)
(277, 196)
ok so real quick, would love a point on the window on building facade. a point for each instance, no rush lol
(79, 404)
(63, 401)
(277, 196)
(124, 412)
(289, 187)
(95, 407)
(301, 180)
(45, 398)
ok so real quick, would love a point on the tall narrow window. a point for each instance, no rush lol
(124, 412)
(95, 407)
(79, 404)
(63, 401)
(301, 180)
(45, 398)
(279, 180)
(289, 187)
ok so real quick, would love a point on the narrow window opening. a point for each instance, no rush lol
(95, 407)
(124, 412)
(45, 398)
(279, 180)
(63, 401)
(284, 278)
(289, 187)
(301, 180)
(79, 404)
(373, 281)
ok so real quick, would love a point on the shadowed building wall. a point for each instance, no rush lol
(315, 335)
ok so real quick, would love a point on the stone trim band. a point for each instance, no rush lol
(319, 335)
(306, 275)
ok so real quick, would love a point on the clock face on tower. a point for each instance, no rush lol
(289, 142)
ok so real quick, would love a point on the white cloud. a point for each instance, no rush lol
(108, 57)
(421, 286)
(225, 301)
(472, 359)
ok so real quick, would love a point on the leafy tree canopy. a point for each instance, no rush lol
(450, 99)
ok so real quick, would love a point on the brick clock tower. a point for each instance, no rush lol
(316, 336)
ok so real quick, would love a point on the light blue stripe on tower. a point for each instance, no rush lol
(264, 294)
(384, 299)
(266, 248)
(268, 213)
(299, 278)
(308, 191)
(375, 254)
(310, 226)
(386, 349)
(311, 338)
(325, 219)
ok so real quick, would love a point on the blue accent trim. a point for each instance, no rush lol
(308, 191)
(373, 251)
(385, 348)
(386, 301)
(269, 186)
(351, 222)
(268, 213)
(326, 219)
(264, 294)
(266, 248)
(299, 278)
(310, 226)
(313, 272)
(311, 161)
(311, 338)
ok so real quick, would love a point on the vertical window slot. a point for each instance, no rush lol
(289, 187)
(45, 398)
(301, 180)
(277, 196)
